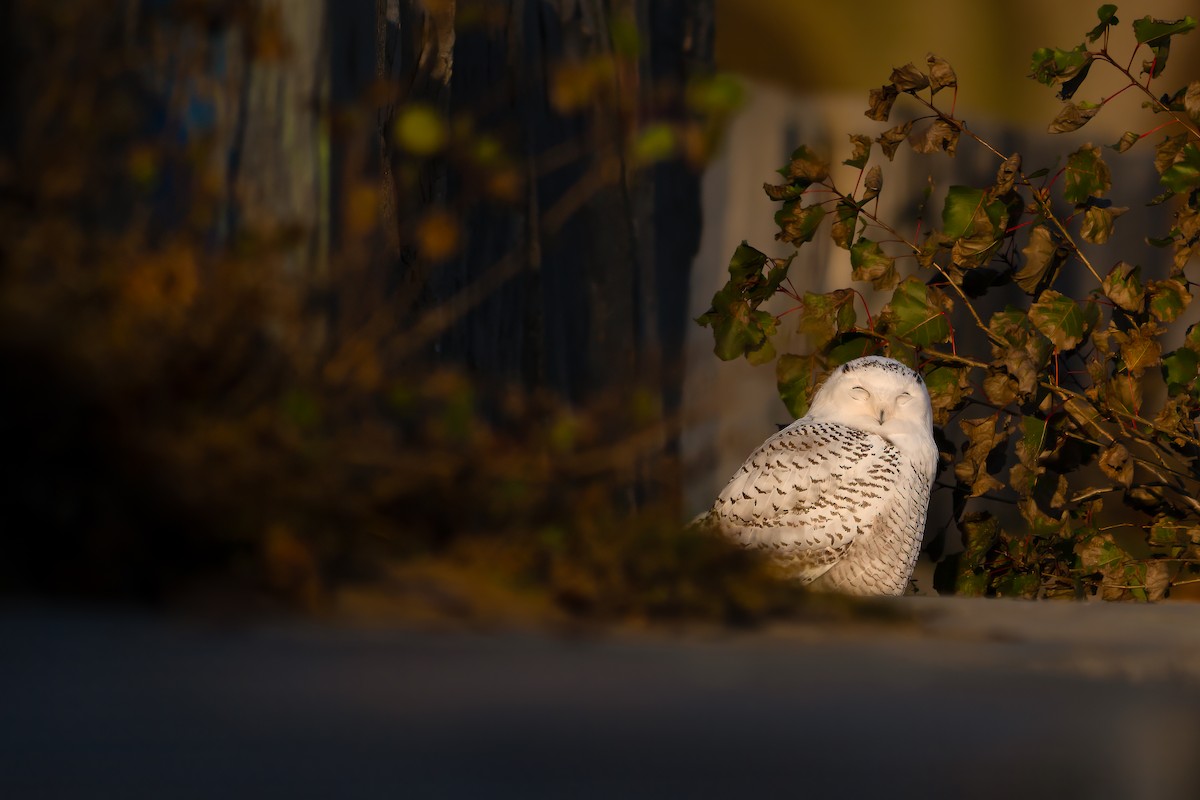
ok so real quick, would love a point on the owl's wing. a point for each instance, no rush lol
(808, 493)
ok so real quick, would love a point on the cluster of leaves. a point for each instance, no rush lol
(1076, 472)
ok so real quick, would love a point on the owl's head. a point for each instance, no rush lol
(882, 396)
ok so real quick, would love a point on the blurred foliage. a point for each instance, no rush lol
(198, 409)
(1076, 468)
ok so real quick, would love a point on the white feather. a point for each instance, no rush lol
(841, 494)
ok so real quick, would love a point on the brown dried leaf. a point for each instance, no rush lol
(1117, 464)
(1007, 174)
(908, 78)
(881, 102)
(892, 138)
(938, 137)
(983, 436)
(941, 74)
(1073, 116)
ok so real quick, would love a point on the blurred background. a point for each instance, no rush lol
(386, 307)
(382, 312)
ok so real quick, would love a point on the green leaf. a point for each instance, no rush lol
(848, 347)
(862, 151)
(870, 263)
(784, 191)
(1183, 174)
(958, 212)
(843, 230)
(1073, 116)
(1180, 369)
(948, 387)
(916, 315)
(1157, 33)
(1086, 175)
(1033, 438)
(798, 224)
(1168, 299)
(1107, 14)
(794, 379)
(824, 316)
(764, 354)
(1059, 319)
(1051, 66)
(739, 328)
(1098, 223)
(1123, 285)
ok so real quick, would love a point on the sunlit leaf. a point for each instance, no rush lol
(1086, 175)
(1059, 318)
(1116, 463)
(941, 74)
(1108, 17)
(798, 224)
(892, 138)
(948, 387)
(1123, 285)
(1097, 224)
(1073, 116)
(794, 380)
(1007, 174)
(1168, 299)
(1128, 139)
(1180, 369)
(843, 230)
(870, 263)
(917, 315)
(1156, 34)
(1044, 255)
(862, 151)
(984, 439)
(908, 78)
(1051, 65)
(1183, 174)
(823, 317)
(1140, 350)
(807, 166)
(881, 101)
(939, 136)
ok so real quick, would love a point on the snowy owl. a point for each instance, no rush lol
(839, 497)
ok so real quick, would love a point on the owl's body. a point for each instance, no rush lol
(839, 497)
